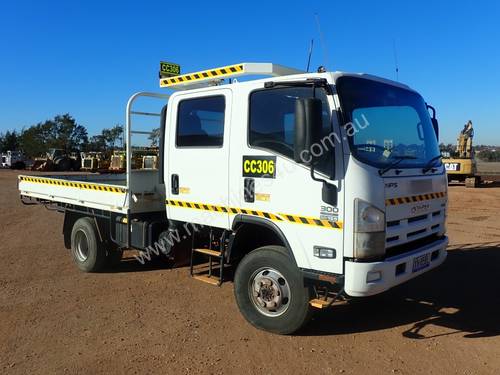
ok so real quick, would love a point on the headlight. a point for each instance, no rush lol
(369, 231)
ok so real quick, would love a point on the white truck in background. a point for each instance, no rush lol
(311, 187)
(13, 160)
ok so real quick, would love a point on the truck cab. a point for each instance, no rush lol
(311, 187)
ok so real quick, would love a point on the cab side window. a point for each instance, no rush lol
(272, 121)
(200, 122)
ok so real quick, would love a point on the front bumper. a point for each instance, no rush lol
(393, 271)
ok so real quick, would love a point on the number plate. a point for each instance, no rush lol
(421, 262)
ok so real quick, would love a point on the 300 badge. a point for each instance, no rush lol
(259, 166)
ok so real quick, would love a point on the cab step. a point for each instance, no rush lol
(320, 303)
(207, 279)
(325, 298)
(213, 253)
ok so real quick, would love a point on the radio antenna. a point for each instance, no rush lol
(396, 59)
(322, 40)
(310, 54)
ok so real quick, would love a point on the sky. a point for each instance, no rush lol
(87, 57)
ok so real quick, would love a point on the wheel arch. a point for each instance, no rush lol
(245, 227)
(70, 218)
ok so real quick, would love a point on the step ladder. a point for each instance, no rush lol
(326, 297)
(215, 254)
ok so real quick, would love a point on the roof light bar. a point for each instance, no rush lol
(184, 81)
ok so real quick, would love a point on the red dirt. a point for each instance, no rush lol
(137, 319)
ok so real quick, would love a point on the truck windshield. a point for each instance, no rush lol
(386, 124)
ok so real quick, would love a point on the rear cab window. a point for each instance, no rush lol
(200, 122)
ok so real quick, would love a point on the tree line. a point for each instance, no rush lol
(489, 155)
(61, 132)
(483, 152)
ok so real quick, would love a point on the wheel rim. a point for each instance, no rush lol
(81, 246)
(269, 292)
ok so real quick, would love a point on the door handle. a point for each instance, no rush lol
(175, 184)
(249, 190)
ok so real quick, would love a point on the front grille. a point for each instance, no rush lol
(400, 232)
(411, 246)
(416, 233)
(417, 218)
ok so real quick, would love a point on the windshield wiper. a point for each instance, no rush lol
(430, 164)
(398, 160)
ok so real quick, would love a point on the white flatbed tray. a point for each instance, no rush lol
(104, 192)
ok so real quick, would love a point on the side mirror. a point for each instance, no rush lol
(308, 128)
(435, 123)
(329, 194)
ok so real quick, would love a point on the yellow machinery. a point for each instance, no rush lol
(93, 161)
(143, 158)
(118, 161)
(461, 165)
(150, 162)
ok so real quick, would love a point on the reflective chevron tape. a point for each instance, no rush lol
(203, 75)
(266, 215)
(313, 221)
(73, 184)
(415, 198)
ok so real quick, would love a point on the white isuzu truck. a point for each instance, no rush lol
(303, 188)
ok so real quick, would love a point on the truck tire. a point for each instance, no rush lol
(270, 291)
(87, 251)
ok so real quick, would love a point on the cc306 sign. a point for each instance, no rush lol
(259, 166)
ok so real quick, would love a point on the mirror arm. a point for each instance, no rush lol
(432, 109)
(313, 175)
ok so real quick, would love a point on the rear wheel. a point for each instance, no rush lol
(86, 249)
(270, 291)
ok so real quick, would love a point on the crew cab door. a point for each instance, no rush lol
(272, 188)
(197, 158)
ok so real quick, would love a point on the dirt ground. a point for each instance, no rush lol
(137, 319)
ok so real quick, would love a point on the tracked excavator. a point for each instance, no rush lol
(461, 165)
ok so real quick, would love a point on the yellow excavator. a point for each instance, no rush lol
(461, 165)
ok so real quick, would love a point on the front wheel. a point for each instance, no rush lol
(270, 291)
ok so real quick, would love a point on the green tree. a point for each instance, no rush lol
(113, 135)
(67, 134)
(96, 143)
(61, 132)
(10, 141)
(107, 140)
(154, 137)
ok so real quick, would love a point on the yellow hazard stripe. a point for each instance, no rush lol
(203, 75)
(266, 215)
(313, 221)
(73, 184)
(414, 198)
